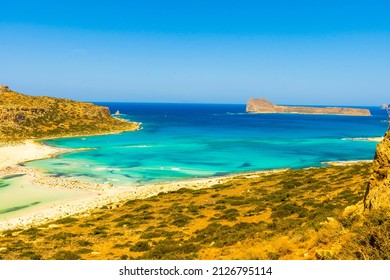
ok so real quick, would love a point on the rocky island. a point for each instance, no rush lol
(261, 105)
(25, 117)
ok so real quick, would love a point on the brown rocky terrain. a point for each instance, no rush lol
(31, 117)
(261, 105)
(378, 187)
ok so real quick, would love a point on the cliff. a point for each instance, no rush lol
(260, 105)
(31, 117)
(378, 187)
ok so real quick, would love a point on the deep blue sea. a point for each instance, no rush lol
(179, 141)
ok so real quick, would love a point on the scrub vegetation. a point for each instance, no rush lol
(294, 214)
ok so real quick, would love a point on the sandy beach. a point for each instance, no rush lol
(93, 195)
(12, 155)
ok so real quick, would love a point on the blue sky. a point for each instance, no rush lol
(291, 52)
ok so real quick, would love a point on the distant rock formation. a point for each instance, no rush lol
(261, 105)
(378, 187)
(30, 117)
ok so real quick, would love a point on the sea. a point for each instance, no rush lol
(182, 141)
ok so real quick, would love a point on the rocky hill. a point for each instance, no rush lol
(34, 117)
(378, 188)
(260, 105)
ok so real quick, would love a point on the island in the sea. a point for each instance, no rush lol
(25, 117)
(261, 105)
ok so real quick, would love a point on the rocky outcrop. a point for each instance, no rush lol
(30, 117)
(3, 88)
(261, 105)
(378, 187)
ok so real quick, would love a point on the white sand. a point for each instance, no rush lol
(29, 150)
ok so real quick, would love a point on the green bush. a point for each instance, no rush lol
(170, 249)
(143, 207)
(140, 246)
(230, 214)
(223, 235)
(30, 255)
(67, 220)
(66, 255)
(62, 236)
(180, 220)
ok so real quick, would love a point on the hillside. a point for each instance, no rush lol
(260, 105)
(34, 117)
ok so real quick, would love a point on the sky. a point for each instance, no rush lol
(291, 52)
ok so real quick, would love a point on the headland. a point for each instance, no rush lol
(24, 117)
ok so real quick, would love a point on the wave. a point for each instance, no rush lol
(370, 139)
(107, 169)
(235, 114)
(137, 146)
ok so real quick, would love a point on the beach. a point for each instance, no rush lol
(92, 196)
(11, 155)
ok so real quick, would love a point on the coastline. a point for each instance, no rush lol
(96, 195)
(92, 195)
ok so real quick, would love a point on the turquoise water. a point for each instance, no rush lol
(180, 141)
(17, 196)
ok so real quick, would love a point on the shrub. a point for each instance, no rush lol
(169, 249)
(83, 251)
(180, 220)
(140, 246)
(62, 236)
(288, 209)
(223, 235)
(30, 255)
(143, 207)
(66, 255)
(84, 243)
(230, 214)
(67, 220)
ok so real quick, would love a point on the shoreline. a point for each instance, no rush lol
(12, 155)
(94, 195)
(113, 132)
(345, 162)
